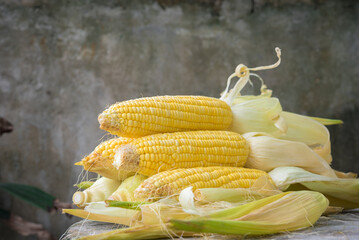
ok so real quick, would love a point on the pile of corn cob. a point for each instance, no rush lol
(194, 165)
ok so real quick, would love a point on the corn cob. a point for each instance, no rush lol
(161, 114)
(174, 181)
(101, 159)
(146, 116)
(155, 153)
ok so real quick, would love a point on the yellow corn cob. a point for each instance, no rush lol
(156, 153)
(174, 181)
(101, 159)
(146, 116)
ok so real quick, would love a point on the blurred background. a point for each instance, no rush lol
(63, 62)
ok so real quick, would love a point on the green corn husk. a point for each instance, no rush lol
(101, 208)
(4, 214)
(123, 220)
(227, 194)
(341, 192)
(311, 132)
(282, 212)
(327, 122)
(98, 211)
(159, 212)
(259, 115)
(127, 205)
(220, 198)
(30, 194)
(138, 232)
(84, 185)
(263, 113)
(279, 213)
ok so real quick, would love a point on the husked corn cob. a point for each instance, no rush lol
(146, 116)
(155, 153)
(174, 181)
(101, 159)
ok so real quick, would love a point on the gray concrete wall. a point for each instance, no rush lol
(63, 62)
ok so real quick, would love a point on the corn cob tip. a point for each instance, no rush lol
(91, 161)
(106, 124)
(127, 158)
(79, 198)
(103, 121)
(80, 163)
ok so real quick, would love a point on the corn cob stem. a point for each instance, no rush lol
(99, 191)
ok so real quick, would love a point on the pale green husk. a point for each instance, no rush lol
(101, 208)
(278, 213)
(258, 115)
(125, 192)
(267, 153)
(341, 192)
(100, 190)
(84, 185)
(311, 132)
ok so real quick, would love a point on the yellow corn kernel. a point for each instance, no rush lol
(146, 116)
(156, 153)
(101, 159)
(174, 181)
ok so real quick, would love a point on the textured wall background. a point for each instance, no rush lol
(63, 62)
